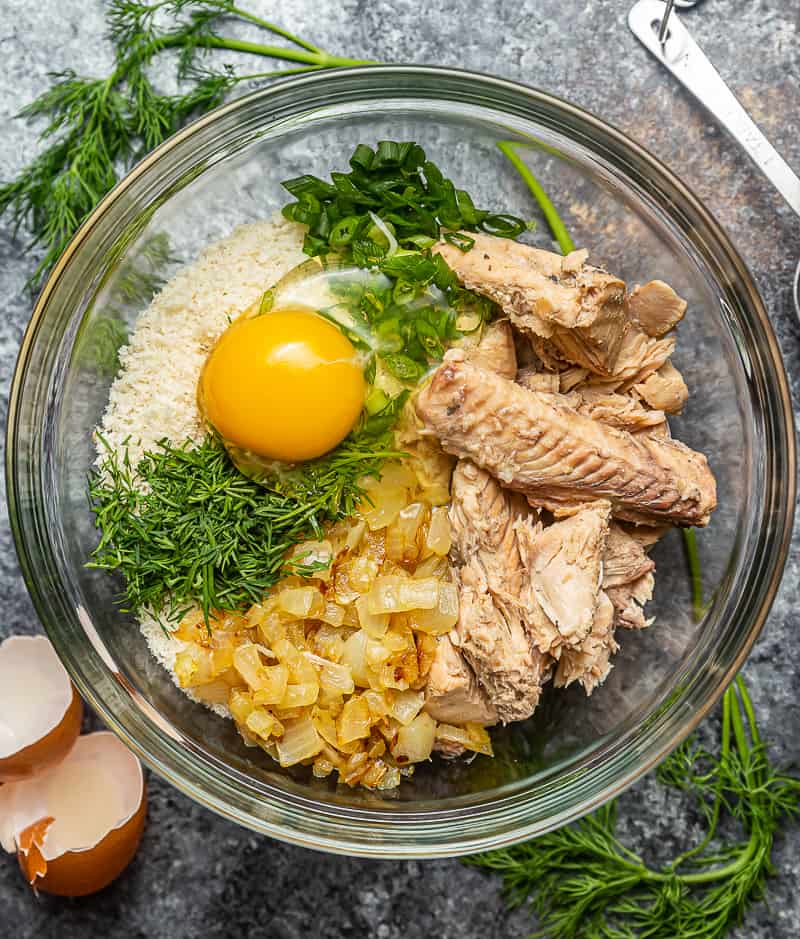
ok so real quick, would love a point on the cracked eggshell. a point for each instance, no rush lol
(40, 711)
(76, 826)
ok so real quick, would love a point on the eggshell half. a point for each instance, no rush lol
(40, 711)
(77, 826)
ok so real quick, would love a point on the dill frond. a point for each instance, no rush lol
(583, 883)
(96, 128)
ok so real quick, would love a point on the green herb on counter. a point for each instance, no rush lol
(509, 150)
(96, 128)
(583, 883)
(188, 527)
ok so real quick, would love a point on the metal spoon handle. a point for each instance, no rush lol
(687, 62)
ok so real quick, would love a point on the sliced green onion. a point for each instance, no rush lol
(266, 302)
(343, 231)
(459, 240)
(404, 367)
(376, 401)
(502, 225)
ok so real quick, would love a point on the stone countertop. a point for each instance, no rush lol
(199, 874)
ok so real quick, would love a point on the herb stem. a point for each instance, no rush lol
(722, 873)
(695, 575)
(276, 73)
(318, 59)
(274, 28)
(749, 710)
(725, 749)
(738, 725)
(731, 717)
(557, 227)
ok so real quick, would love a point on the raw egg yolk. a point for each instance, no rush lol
(286, 385)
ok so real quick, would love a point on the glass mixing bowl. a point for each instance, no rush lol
(640, 221)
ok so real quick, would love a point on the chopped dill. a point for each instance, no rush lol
(185, 526)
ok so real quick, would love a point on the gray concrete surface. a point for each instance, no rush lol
(199, 875)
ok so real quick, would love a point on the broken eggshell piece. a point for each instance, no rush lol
(40, 711)
(76, 826)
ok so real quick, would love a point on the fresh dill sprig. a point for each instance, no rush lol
(186, 526)
(583, 883)
(96, 128)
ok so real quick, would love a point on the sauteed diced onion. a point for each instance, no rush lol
(330, 671)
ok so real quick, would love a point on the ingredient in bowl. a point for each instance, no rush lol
(354, 622)
(63, 848)
(333, 670)
(40, 711)
(575, 312)
(494, 592)
(286, 385)
(510, 431)
(155, 389)
(247, 529)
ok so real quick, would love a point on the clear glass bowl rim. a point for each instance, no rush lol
(389, 833)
